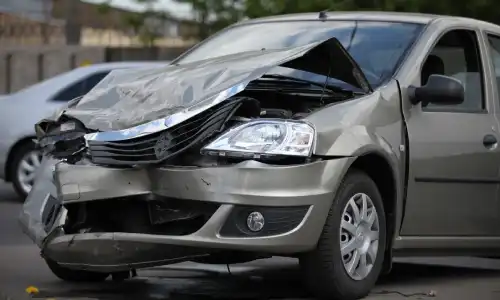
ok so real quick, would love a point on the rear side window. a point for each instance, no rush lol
(80, 87)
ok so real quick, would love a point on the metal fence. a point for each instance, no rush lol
(23, 66)
(32, 9)
(31, 33)
(38, 33)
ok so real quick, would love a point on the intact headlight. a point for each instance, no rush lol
(265, 137)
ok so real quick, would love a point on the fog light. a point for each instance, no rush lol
(255, 221)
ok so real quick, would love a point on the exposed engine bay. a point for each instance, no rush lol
(278, 98)
(172, 115)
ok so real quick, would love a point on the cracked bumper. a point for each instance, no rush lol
(249, 184)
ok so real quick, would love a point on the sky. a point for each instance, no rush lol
(175, 9)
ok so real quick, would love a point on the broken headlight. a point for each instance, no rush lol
(64, 141)
(264, 138)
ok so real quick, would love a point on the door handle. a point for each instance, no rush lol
(489, 140)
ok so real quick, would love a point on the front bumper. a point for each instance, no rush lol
(248, 184)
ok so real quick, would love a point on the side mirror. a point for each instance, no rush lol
(439, 89)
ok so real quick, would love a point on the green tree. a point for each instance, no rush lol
(147, 24)
(261, 8)
(104, 7)
(213, 15)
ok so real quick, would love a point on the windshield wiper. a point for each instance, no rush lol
(328, 87)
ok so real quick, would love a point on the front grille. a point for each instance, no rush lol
(160, 146)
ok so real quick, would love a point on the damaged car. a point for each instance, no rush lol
(341, 139)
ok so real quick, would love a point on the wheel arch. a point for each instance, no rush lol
(381, 169)
(10, 155)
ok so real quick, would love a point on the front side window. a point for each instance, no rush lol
(494, 45)
(377, 47)
(457, 55)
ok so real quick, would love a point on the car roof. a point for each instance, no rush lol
(403, 17)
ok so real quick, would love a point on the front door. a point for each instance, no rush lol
(453, 150)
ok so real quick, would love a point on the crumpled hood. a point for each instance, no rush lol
(125, 99)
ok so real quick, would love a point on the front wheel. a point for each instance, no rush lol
(350, 252)
(75, 275)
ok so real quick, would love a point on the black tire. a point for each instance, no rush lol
(323, 268)
(18, 155)
(75, 275)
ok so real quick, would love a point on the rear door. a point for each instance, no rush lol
(453, 150)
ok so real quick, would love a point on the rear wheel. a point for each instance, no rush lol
(75, 275)
(350, 252)
(25, 163)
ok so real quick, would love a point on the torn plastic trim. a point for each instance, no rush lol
(163, 123)
(33, 216)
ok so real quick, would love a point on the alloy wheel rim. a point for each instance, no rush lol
(359, 236)
(26, 170)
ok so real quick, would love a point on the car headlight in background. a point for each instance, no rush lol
(264, 138)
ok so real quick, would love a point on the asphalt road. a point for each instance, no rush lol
(21, 266)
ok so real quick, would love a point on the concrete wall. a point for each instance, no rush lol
(131, 53)
(23, 66)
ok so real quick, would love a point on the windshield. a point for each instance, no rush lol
(376, 46)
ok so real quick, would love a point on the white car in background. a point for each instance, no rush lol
(19, 112)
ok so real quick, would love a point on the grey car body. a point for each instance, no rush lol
(430, 150)
(19, 111)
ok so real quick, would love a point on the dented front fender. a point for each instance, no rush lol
(372, 124)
